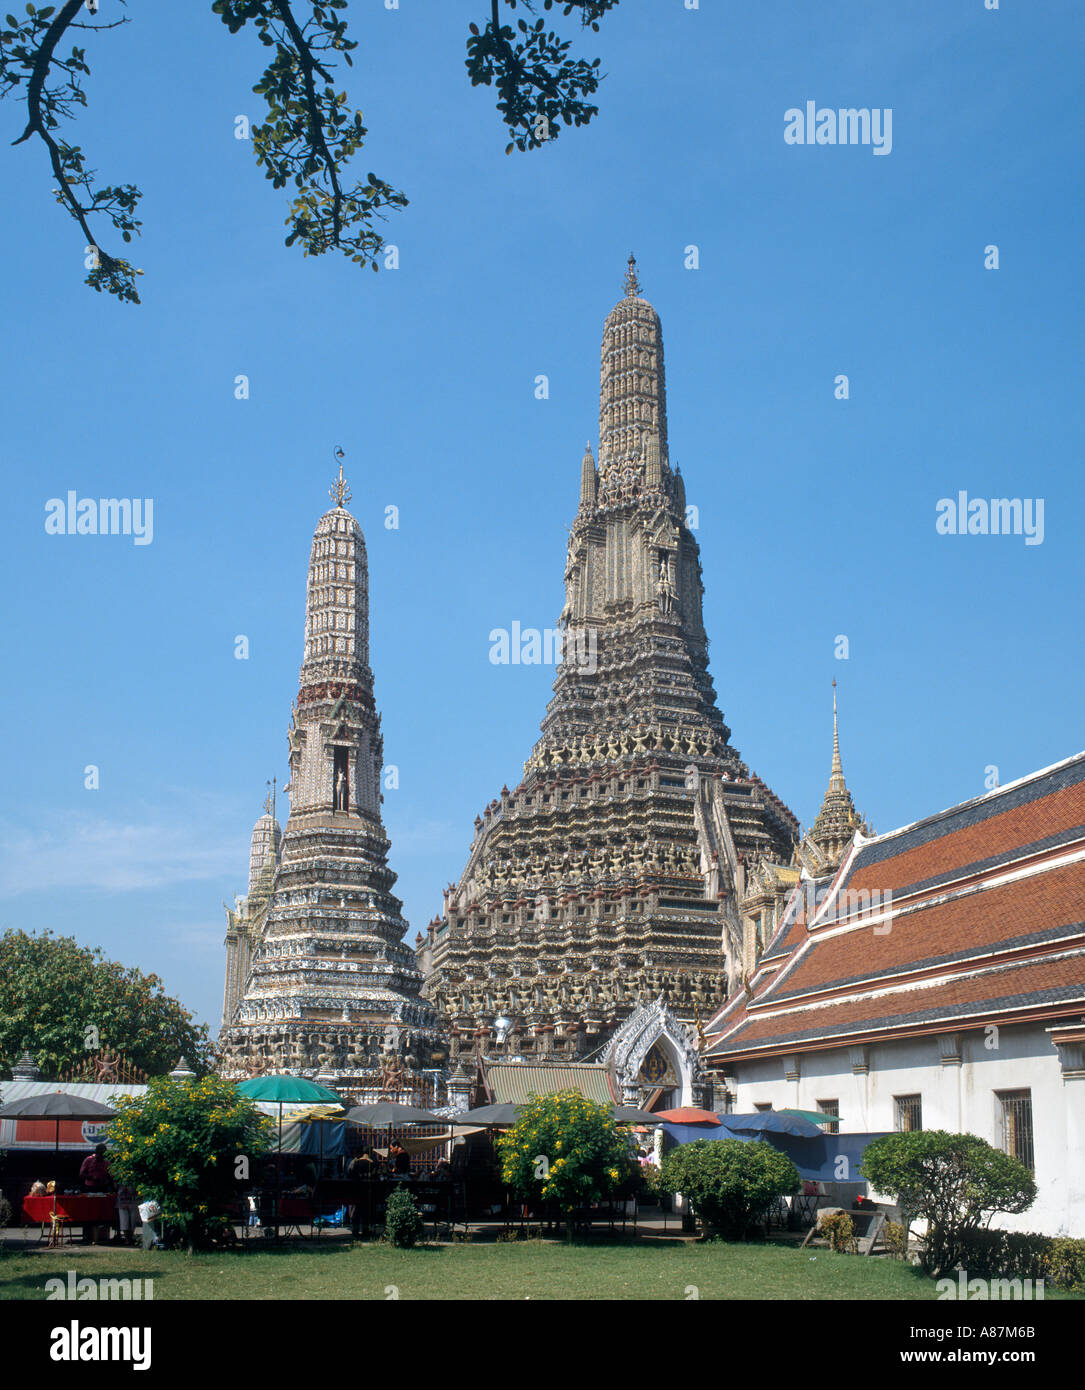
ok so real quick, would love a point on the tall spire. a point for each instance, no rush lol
(836, 778)
(317, 972)
(603, 822)
(837, 820)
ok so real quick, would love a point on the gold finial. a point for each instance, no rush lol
(339, 492)
(269, 800)
(631, 282)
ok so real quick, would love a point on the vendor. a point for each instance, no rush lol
(94, 1171)
(94, 1176)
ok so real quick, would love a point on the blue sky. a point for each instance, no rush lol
(817, 515)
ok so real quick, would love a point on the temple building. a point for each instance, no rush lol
(934, 979)
(318, 978)
(598, 915)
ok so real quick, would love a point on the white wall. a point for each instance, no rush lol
(956, 1098)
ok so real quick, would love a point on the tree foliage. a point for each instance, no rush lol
(179, 1144)
(954, 1182)
(729, 1184)
(53, 990)
(539, 86)
(310, 132)
(566, 1150)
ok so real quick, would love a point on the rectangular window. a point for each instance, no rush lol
(909, 1113)
(762, 1105)
(1016, 1122)
(830, 1107)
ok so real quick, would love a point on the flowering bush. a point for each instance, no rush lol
(839, 1230)
(179, 1144)
(1065, 1263)
(566, 1150)
(895, 1236)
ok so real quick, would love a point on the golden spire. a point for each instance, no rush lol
(339, 492)
(838, 767)
(631, 282)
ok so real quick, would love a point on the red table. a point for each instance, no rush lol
(79, 1210)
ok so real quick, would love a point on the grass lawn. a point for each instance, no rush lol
(633, 1269)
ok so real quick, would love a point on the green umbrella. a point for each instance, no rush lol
(287, 1090)
(816, 1117)
(282, 1090)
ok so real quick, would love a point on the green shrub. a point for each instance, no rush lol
(839, 1230)
(1064, 1264)
(954, 1182)
(5, 1212)
(1005, 1254)
(402, 1220)
(895, 1236)
(1058, 1260)
(730, 1185)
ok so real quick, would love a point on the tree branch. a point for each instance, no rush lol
(309, 65)
(40, 72)
(45, 107)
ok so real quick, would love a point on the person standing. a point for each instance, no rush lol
(127, 1215)
(94, 1177)
(360, 1170)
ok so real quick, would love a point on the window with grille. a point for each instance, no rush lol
(830, 1107)
(909, 1113)
(1016, 1116)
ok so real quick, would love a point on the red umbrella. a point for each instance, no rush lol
(687, 1115)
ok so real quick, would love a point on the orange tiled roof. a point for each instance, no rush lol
(988, 920)
(1021, 989)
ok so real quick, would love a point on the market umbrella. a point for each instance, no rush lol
(687, 1115)
(281, 1089)
(56, 1105)
(287, 1090)
(383, 1114)
(774, 1122)
(816, 1117)
(500, 1115)
(630, 1115)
